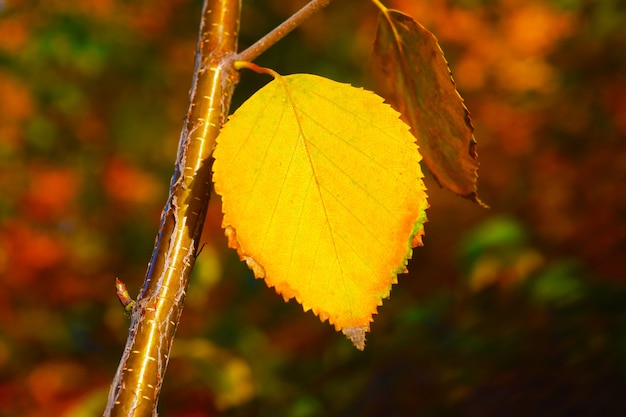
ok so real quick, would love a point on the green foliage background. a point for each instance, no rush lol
(516, 310)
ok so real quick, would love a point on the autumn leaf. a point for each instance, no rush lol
(322, 195)
(414, 77)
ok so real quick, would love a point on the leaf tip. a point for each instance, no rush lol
(356, 335)
(475, 199)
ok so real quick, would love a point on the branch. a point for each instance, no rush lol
(283, 29)
(156, 313)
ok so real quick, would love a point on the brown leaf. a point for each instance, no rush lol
(414, 77)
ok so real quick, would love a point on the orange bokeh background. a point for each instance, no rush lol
(513, 310)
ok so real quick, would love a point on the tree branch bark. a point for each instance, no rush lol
(260, 46)
(156, 313)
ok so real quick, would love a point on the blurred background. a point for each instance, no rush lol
(515, 310)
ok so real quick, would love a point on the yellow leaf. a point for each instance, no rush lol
(322, 195)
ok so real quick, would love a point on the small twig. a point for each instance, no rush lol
(280, 31)
(123, 296)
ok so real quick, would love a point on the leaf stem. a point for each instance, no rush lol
(256, 68)
(281, 30)
(380, 6)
